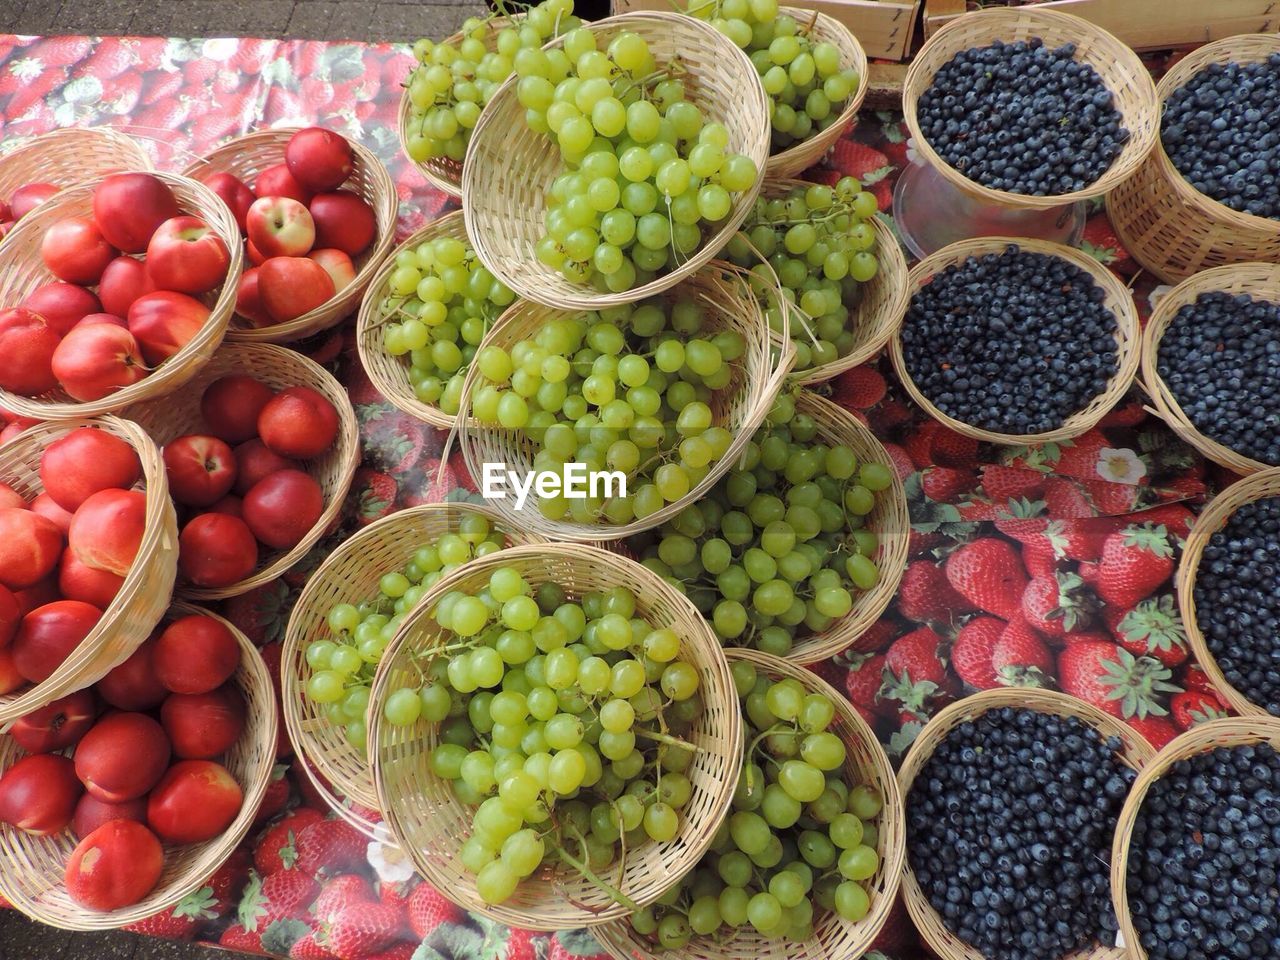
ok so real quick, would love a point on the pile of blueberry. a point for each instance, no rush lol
(1205, 855)
(1013, 342)
(1221, 130)
(1023, 118)
(1220, 358)
(1009, 830)
(1237, 595)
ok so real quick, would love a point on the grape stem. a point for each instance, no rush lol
(788, 307)
(668, 739)
(581, 866)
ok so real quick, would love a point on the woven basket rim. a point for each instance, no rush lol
(29, 150)
(1261, 485)
(581, 296)
(176, 370)
(996, 22)
(1202, 738)
(682, 853)
(260, 729)
(1136, 753)
(1119, 301)
(1262, 276)
(385, 204)
(151, 574)
(298, 632)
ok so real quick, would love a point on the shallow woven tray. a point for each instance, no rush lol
(509, 168)
(1202, 738)
(144, 595)
(1136, 754)
(246, 157)
(350, 574)
(741, 406)
(1259, 280)
(277, 367)
(833, 937)
(1259, 486)
(22, 270)
(1165, 223)
(430, 824)
(1118, 300)
(1133, 92)
(32, 868)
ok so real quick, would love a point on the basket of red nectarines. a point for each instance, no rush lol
(120, 799)
(34, 171)
(88, 554)
(87, 326)
(259, 448)
(318, 215)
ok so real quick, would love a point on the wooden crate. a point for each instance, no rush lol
(1147, 24)
(885, 28)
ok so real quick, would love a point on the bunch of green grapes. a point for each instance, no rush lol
(644, 169)
(806, 86)
(628, 389)
(443, 300)
(343, 665)
(453, 82)
(779, 548)
(562, 721)
(818, 243)
(801, 836)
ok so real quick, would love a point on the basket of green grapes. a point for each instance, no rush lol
(809, 860)
(582, 743)
(455, 77)
(841, 270)
(665, 392)
(423, 317)
(617, 163)
(348, 612)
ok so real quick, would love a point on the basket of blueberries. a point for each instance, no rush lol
(1030, 108)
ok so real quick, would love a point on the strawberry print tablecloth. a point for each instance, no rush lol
(1047, 566)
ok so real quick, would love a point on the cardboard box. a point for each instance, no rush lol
(885, 28)
(1148, 24)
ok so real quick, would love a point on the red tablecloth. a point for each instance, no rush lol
(1030, 524)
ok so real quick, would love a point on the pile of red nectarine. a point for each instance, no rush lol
(22, 201)
(241, 481)
(64, 555)
(133, 762)
(144, 311)
(301, 231)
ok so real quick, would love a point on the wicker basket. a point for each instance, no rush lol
(509, 168)
(390, 375)
(31, 868)
(1259, 280)
(22, 270)
(1118, 300)
(144, 594)
(429, 822)
(884, 297)
(1170, 227)
(249, 155)
(1121, 71)
(889, 520)
(741, 406)
(833, 937)
(348, 575)
(68, 156)
(1256, 487)
(1136, 754)
(277, 367)
(445, 174)
(822, 28)
(1202, 738)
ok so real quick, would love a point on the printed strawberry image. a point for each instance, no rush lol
(181, 921)
(427, 909)
(1114, 680)
(1003, 484)
(915, 676)
(972, 651)
(1054, 604)
(1152, 627)
(859, 389)
(284, 895)
(330, 846)
(925, 595)
(1157, 731)
(1192, 707)
(1021, 658)
(362, 929)
(338, 894)
(277, 850)
(1135, 561)
(989, 574)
